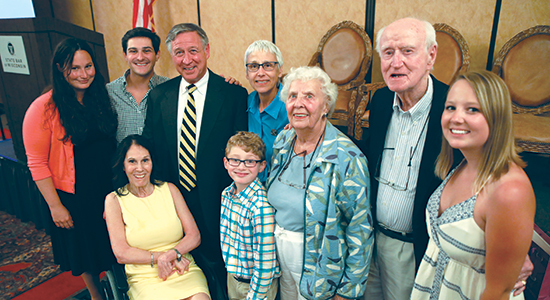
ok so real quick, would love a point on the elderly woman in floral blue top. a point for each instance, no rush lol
(319, 186)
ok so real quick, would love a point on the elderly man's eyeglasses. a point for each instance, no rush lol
(392, 184)
(249, 163)
(268, 66)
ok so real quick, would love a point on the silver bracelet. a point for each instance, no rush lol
(152, 260)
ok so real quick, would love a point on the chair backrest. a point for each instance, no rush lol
(523, 64)
(345, 53)
(453, 54)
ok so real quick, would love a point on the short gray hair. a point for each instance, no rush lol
(428, 29)
(264, 46)
(304, 74)
(185, 27)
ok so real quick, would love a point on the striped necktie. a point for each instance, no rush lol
(188, 178)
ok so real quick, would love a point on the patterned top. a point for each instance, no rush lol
(338, 228)
(131, 116)
(453, 266)
(247, 241)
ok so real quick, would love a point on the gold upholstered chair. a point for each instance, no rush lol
(453, 54)
(345, 54)
(523, 64)
(453, 58)
(364, 94)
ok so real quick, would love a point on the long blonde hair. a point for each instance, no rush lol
(499, 150)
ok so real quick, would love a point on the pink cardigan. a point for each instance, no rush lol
(47, 155)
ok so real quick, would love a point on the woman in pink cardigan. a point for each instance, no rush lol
(69, 136)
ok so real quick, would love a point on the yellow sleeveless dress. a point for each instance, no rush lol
(152, 224)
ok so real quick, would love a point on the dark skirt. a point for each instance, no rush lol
(86, 247)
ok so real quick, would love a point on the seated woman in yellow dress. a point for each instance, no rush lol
(151, 229)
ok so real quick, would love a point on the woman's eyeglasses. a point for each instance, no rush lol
(268, 66)
(292, 184)
(304, 154)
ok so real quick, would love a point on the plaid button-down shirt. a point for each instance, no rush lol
(131, 116)
(247, 240)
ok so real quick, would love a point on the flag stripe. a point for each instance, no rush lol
(143, 14)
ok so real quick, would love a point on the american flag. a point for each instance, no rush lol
(143, 14)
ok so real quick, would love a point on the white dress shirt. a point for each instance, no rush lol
(405, 137)
(199, 95)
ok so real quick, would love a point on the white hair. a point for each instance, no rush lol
(264, 46)
(429, 30)
(304, 74)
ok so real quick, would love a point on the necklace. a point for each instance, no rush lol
(305, 167)
(304, 153)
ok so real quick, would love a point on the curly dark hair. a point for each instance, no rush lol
(141, 32)
(120, 179)
(95, 104)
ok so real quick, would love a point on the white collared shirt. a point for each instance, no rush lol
(199, 95)
(407, 130)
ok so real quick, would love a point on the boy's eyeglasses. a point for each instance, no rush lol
(268, 66)
(249, 163)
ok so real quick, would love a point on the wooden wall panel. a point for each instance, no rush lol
(75, 12)
(168, 13)
(231, 27)
(533, 12)
(473, 19)
(113, 18)
(300, 25)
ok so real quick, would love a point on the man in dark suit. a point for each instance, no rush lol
(403, 144)
(220, 110)
(402, 147)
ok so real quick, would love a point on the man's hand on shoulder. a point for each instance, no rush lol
(231, 80)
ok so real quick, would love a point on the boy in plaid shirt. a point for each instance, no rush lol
(247, 222)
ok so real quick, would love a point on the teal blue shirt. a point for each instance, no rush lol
(267, 124)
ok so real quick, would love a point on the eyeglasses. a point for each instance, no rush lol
(249, 163)
(394, 185)
(292, 184)
(304, 154)
(268, 66)
(389, 183)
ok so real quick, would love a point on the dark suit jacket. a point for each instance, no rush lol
(380, 116)
(224, 114)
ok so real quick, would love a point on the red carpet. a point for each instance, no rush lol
(57, 288)
(26, 257)
(7, 133)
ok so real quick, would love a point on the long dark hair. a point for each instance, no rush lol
(95, 104)
(120, 179)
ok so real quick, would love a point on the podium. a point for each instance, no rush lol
(40, 37)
